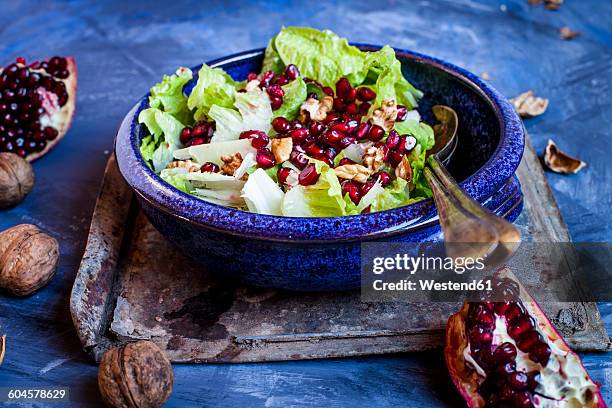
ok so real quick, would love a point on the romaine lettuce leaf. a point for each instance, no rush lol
(168, 95)
(162, 123)
(212, 152)
(395, 195)
(261, 194)
(214, 87)
(272, 61)
(177, 178)
(147, 147)
(295, 95)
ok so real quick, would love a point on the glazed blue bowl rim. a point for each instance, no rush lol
(483, 183)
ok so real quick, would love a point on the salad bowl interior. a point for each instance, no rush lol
(263, 248)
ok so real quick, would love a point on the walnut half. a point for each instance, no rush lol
(231, 163)
(386, 115)
(355, 172)
(190, 166)
(317, 110)
(281, 149)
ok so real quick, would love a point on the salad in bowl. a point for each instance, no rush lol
(324, 130)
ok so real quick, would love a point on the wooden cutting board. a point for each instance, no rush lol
(133, 284)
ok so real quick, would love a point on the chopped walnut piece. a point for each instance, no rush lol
(385, 115)
(373, 157)
(528, 105)
(281, 149)
(568, 34)
(404, 169)
(317, 110)
(355, 172)
(230, 163)
(190, 166)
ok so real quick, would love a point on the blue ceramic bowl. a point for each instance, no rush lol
(317, 254)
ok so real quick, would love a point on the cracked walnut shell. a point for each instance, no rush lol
(16, 179)
(137, 375)
(28, 259)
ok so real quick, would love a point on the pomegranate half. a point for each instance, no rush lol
(508, 354)
(37, 104)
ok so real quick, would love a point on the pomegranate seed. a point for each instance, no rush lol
(367, 187)
(345, 160)
(504, 353)
(266, 78)
(21, 152)
(501, 307)
(275, 91)
(376, 133)
(384, 177)
(258, 138)
(275, 102)
(392, 140)
(298, 135)
(326, 160)
(409, 143)
(199, 131)
(352, 126)
(331, 153)
(352, 108)
(316, 128)
(332, 137)
(327, 90)
(209, 167)
(540, 353)
(314, 150)
(308, 176)
(340, 127)
(281, 80)
(364, 108)
(298, 157)
(346, 141)
(281, 124)
(264, 158)
(339, 105)
(514, 311)
(362, 130)
(365, 94)
(528, 340)
(252, 76)
(401, 113)
(480, 335)
(292, 72)
(50, 133)
(185, 135)
(352, 189)
(522, 400)
(518, 380)
(332, 116)
(283, 173)
(343, 86)
(507, 369)
(20, 60)
(196, 141)
(517, 329)
(350, 95)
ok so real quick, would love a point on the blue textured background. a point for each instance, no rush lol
(121, 49)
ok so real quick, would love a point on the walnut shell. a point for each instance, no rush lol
(16, 179)
(28, 259)
(137, 375)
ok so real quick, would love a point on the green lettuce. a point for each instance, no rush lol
(147, 147)
(177, 178)
(395, 195)
(168, 95)
(295, 95)
(422, 132)
(160, 124)
(214, 87)
(272, 61)
(421, 188)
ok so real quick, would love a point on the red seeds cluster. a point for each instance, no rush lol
(200, 133)
(273, 83)
(21, 103)
(504, 384)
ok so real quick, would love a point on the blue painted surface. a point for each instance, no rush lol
(122, 48)
(312, 254)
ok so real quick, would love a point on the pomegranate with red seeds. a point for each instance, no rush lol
(508, 354)
(37, 104)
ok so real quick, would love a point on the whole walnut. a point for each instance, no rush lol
(137, 375)
(16, 179)
(28, 259)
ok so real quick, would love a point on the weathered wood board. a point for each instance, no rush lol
(132, 284)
